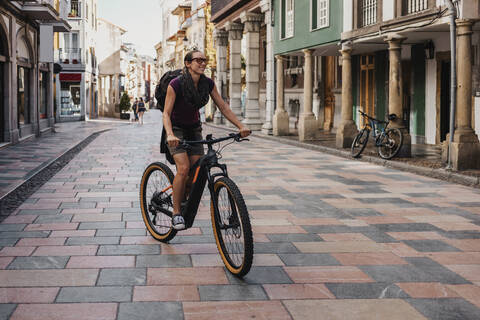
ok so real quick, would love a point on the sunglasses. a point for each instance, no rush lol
(200, 60)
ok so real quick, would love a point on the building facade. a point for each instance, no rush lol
(76, 92)
(26, 67)
(401, 63)
(112, 67)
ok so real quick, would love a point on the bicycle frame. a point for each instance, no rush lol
(201, 172)
(373, 124)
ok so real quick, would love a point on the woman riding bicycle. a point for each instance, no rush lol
(181, 120)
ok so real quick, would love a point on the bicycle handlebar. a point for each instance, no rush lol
(371, 118)
(210, 140)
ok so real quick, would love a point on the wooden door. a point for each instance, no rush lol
(329, 83)
(367, 85)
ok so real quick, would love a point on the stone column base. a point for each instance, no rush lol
(465, 153)
(280, 123)
(307, 127)
(346, 132)
(14, 136)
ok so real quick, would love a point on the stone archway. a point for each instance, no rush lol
(25, 80)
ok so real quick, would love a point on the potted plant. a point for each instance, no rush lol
(124, 106)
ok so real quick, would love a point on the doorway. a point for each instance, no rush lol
(444, 99)
(367, 85)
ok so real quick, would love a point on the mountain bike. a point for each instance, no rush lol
(388, 141)
(229, 215)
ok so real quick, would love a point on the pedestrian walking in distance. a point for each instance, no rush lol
(141, 110)
(134, 108)
(186, 94)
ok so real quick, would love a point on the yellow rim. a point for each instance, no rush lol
(217, 240)
(145, 214)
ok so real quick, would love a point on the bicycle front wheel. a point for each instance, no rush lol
(231, 227)
(156, 201)
(390, 143)
(360, 142)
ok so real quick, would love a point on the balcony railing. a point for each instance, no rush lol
(69, 56)
(413, 6)
(75, 9)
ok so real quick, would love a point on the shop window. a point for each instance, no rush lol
(287, 18)
(23, 110)
(319, 14)
(43, 91)
(70, 99)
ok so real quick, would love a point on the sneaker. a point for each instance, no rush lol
(178, 222)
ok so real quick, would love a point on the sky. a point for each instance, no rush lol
(141, 19)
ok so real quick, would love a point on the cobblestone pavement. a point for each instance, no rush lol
(20, 162)
(334, 239)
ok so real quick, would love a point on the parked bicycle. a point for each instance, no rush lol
(388, 141)
(229, 215)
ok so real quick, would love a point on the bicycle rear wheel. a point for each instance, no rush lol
(360, 142)
(390, 143)
(156, 201)
(231, 227)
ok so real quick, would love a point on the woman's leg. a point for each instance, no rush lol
(183, 166)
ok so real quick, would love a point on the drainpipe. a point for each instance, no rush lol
(453, 74)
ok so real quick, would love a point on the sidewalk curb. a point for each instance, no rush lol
(11, 197)
(441, 174)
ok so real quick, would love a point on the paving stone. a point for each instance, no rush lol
(375, 290)
(94, 294)
(194, 239)
(292, 237)
(101, 225)
(24, 234)
(6, 310)
(73, 241)
(122, 277)
(38, 263)
(430, 245)
(59, 218)
(7, 242)
(308, 259)
(12, 227)
(164, 260)
(279, 247)
(261, 275)
(113, 250)
(437, 271)
(397, 273)
(120, 232)
(150, 311)
(446, 309)
(406, 227)
(231, 293)
(39, 211)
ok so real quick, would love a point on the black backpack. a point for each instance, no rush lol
(162, 86)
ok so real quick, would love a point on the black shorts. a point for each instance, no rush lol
(142, 110)
(183, 134)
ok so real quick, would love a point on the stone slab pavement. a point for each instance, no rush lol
(20, 162)
(334, 239)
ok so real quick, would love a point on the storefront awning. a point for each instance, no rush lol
(71, 77)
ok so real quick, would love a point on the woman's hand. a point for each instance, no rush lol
(172, 141)
(245, 132)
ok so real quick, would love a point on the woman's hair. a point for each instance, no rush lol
(189, 56)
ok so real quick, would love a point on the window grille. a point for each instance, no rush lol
(369, 12)
(416, 5)
(75, 8)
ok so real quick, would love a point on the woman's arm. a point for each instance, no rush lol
(167, 121)
(228, 113)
